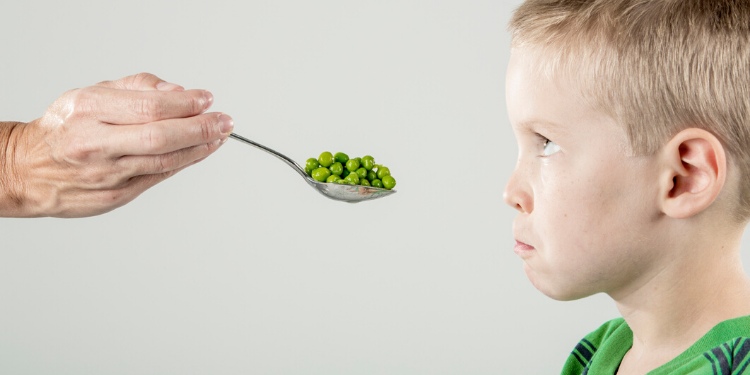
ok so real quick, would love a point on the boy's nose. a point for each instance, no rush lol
(517, 194)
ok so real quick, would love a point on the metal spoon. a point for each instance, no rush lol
(339, 192)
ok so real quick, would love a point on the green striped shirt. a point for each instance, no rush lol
(724, 350)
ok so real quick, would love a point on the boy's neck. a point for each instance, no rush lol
(677, 304)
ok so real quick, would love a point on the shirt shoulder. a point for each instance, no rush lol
(612, 338)
(724, 350)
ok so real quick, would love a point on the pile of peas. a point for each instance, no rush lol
(339, 169)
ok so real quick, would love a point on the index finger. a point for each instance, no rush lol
(166, 136)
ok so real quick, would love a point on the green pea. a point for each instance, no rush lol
(372, 176)
(352, 165)
(389, 182)
(336, 169)
(332, 178)
(364, 182)
(341, 157)
(310, 165)
(345, 173)
(368, 162)
(361, 173)
(325, 159)
(340, 181)
(321, 174)
(352, 177)
(376, 183)
(383, 171)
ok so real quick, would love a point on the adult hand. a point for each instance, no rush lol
(99, 147)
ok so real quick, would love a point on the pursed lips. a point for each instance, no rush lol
(522, 248)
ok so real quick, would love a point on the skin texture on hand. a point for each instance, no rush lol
(99, 147)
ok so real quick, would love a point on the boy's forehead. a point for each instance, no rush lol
(536, 97)
(539, 60)
(541, 98)
(545, 65)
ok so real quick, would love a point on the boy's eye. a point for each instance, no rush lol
(550, 147)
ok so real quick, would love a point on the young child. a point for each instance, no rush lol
(633, 176)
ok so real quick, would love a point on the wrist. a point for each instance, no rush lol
(12, 198)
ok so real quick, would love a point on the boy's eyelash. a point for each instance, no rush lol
(544, 140)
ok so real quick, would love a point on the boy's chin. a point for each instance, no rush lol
(565, 296)
(560, 291)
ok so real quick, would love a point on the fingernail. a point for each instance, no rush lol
(208, 98)
(166, 86)
(226, 124)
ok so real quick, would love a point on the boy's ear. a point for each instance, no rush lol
(695, 169)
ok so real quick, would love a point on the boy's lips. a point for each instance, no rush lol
(522, 248)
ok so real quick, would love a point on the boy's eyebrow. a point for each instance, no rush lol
(533, 123)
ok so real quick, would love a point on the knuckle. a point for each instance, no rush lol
(140, 81)
(78, 103)
(164, 163)
(197, 103)
(207, 127)
(97, 179)
(113, 181)
(79, 150)
(160, 164)
(142, 77)
(154, 139)
(106, 83)
(211, 147)
(116, 175)
(149, 108)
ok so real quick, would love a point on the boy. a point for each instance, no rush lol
(633, 176)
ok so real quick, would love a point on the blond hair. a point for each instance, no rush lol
(656, 66)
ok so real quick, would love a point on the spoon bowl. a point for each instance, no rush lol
(339, 192)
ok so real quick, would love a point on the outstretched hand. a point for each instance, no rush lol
(99, 147)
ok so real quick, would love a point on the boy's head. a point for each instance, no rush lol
(656, 67)
(628, 114)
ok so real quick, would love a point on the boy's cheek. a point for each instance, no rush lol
(556, 188)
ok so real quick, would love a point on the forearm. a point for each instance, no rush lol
(12, 201)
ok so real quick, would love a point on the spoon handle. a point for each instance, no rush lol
(273, 152)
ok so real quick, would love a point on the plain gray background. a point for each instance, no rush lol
(235, 266)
